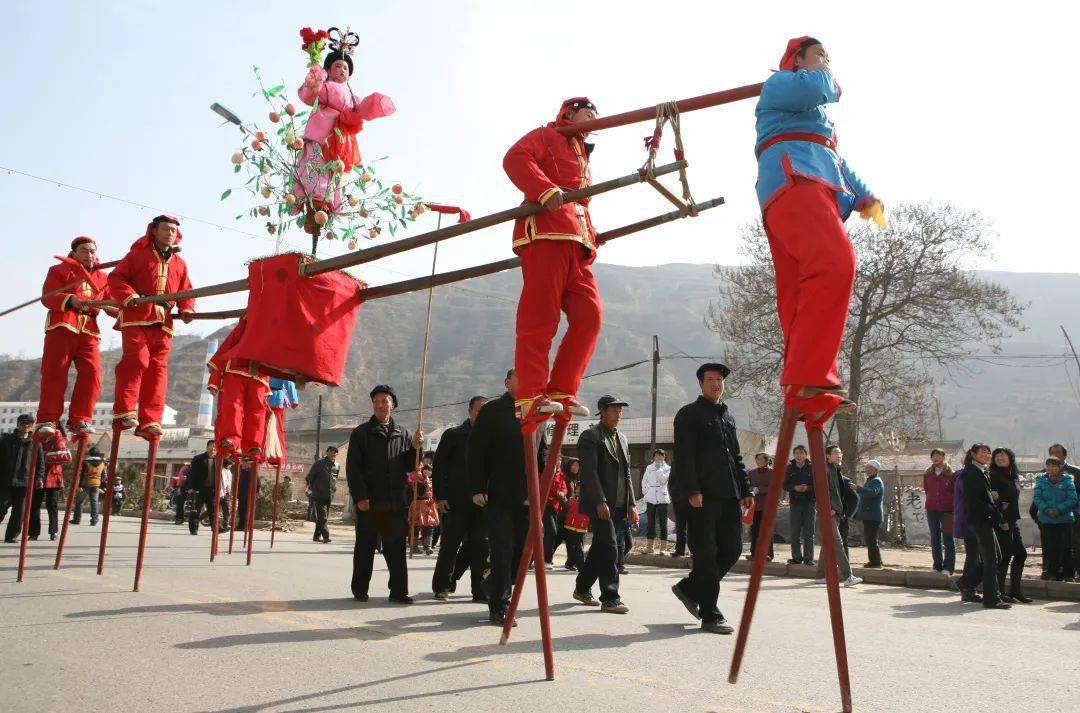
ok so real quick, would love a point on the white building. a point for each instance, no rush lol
(102, 420)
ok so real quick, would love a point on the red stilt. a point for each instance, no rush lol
(148, 492)
(110, 481)
(253, 492)
(80, 456)
(273, 512)
(536, 540)
(233, 497)
(216, 507)
(768, 524)
(816, 438)
(31, 482)
(527, 550)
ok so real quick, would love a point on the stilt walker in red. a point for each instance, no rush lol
(151, 267)
(241, 389)
(806, 191)
(557, 248)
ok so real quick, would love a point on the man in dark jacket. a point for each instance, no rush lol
(15, 472)
(607, 497)
(709, 474)
(462, 521)
(982, 515)
(381, 454)
(834, 458)
(799, 483)
(321, 483)
(199, 485)
(496, 458)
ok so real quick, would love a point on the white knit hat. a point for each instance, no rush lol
(876, 465)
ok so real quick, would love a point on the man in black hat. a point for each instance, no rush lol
(607, 497)
(321, 484)
(496, 459)
(15, 472)
(381, 454)
(199, 486)
(709, 475)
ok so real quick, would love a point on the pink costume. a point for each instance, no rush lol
(337, 108)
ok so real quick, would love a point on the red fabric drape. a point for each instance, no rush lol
(298, 327)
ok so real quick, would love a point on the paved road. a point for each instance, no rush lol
(283, 636)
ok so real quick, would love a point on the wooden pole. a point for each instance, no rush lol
(234, 482)
(215, 514)
(148, 492)
(80, 456)
(28, 498)
(648, 113)
(110, 481)
(253, 493)
(536, 538)
(58, 290)
(273, 513)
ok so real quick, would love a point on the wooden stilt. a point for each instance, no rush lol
(215, 508)
(527, 552)
(80, 456)
(110, 483)
(253, 493)
(536, 539)
(148, 492)
(273, 512)
(28, 498)
(768, 524)
(816, 438)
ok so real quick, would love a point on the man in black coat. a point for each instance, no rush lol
(983, 515)
(199, 485)
(496, 458)
(15, 472)
(708, 473)
(462, 522)
(321, 484)
(381, 455)
(607, 497)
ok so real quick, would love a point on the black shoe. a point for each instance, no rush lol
(9, 541)
(52, 536)
(402, 599)
(499, 619)
(623, 570)
(999, 604)
(690, 604)
(480, 598)
(360, 597)
(569, 567)
(327, 540)
(74, 522)
(443, 596)
(719, 626)
(1006, 598)
(794, 561)
(1022, 599)
(969, 595)
(676, 554)
(809, 563)
(33, 537)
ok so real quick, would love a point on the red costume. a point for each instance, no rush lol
(71, 336)
(556, 248)
(143, 371)
(241, 389)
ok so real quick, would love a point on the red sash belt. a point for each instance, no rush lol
(796, 136)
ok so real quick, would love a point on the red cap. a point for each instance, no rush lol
(793, 46)
(80, 240)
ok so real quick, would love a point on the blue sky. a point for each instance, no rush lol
(951, 102)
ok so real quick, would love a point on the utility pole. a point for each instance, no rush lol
(937, 407)
(318, 430)
(655, 371)
(1071, 347)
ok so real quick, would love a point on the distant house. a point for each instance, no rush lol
(102, 418)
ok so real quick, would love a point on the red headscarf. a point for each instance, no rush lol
(561, 119)
(787, 62)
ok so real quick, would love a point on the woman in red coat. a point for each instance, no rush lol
(557, 248)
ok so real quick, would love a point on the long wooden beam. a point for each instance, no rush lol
(444, 278)
(100, 266)
(649, 113)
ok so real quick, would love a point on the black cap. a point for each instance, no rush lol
(609, 400)
(712, 366)
(24, 418)
(385, 389)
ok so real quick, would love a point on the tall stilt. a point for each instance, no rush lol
(768, 524)
(110, 482)
(273, 511)
(31, 481)
(816, 438)
(234, 496)
(253, 492)
(527, 550)
(80, 456)
(148, 492)
(536, 539)
(215, 509)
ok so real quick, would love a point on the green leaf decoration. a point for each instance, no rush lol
(274, 91)
(226, 194)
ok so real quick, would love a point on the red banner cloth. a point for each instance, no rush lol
(299, 328)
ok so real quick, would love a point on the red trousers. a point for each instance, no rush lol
(557, 278)
(62, 348)
(815, 272)
(142, 374)
(241, 416)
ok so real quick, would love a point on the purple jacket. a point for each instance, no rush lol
(959, 522)
(760, 478)
(939, 489)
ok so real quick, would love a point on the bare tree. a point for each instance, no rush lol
(915, 307)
